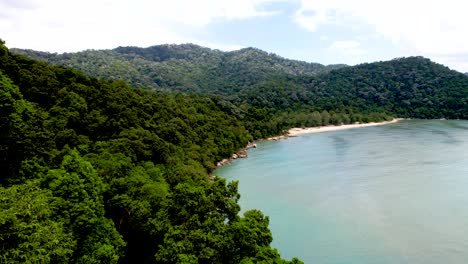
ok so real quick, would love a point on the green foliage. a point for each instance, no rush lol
(79, 200)
(94, 171)
(183, 68)
(22, 133)
(116, 174)
(3, 48)
(405, 87)
(28, 231)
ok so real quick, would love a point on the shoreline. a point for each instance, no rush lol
(296, 131)
(242, 153)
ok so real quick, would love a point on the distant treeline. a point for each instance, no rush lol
(406, 87)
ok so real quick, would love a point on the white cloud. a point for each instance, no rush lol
(348, 47)
(311, 20)
(57, 25)
(459, 61)
(436, 29)
(428, 27)
(345, 44)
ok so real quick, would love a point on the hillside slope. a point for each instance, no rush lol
(413, 87)
(407, 87)
(94, 171)
(186, 68)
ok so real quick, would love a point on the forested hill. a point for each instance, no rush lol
(406, 87)
(186, 68)
(94, 171)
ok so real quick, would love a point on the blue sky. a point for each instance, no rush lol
(324, 31)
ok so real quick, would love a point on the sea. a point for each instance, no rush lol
(396, 193)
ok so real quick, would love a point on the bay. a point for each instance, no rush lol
(387, 194)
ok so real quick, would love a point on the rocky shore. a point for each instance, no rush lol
(239, 155)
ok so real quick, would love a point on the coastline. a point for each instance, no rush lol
(242, 153)
(294, 132)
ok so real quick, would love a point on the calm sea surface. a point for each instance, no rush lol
(388, 194)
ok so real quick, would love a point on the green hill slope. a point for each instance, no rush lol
(94, 171)
(407, 87)
(186, 68)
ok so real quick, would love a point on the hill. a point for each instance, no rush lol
(184, 68)
(94, 171)
(412, 87)
(407, 87)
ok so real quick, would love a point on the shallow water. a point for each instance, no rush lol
(387, 194)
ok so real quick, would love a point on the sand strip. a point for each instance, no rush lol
(299, 131)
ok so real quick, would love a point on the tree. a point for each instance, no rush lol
(316, 119)
(28, 230)
(78, 192)
(22, 135)
(251, 240)
(325, 118)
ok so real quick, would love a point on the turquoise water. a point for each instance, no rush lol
(388, 194)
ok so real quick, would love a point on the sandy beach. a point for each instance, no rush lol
(307, 130)
(293, 132)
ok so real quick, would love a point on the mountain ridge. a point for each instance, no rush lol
(413, 87)
(160, 66)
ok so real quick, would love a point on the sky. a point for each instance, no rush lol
(323, 31)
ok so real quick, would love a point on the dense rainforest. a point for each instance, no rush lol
(182, 68)
(406, 87)
(93, 170)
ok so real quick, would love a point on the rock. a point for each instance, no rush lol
(223, 162)
(251, 145)
(242, 154)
